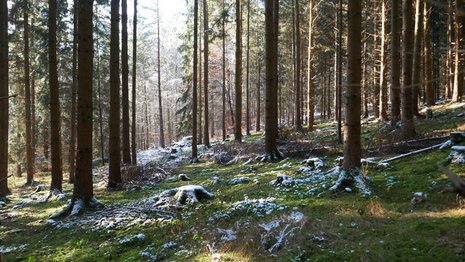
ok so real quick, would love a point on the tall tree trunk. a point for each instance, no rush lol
(257, 124)
(160, 101)
(206, 135)
(271, 57)
(194, 82)
(27, 92)
(352, 143)
(298, 122)
(428, 58)
(223, 119)
(238, 82)
(459, 55)
(450, 56)
(416, 80)
(147, 123)
(382, 74)
(83, 187)
(114, 180)
(200, 102)
(247, 85)
(310, 70)
(408, 128)
(134, 83)
(125, 82)
(72, 141)
(376, 66)
(4, 114)
(395, 63)
(55, 118)
(100, 109)
(339, 74)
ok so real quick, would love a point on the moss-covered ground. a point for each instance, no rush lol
(337, 227)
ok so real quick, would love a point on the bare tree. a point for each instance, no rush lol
(125, 83)
(459, 55)
(395, 63)
(134, 86)
(238, 82)
(4, 112)
(408, 128)
(194, 83)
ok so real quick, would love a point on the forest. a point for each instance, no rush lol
(232, 130)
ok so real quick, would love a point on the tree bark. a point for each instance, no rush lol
(428, 58)
(194, 82)
(408, 128)
(223, 119)
(134, 87)
(72, 141)
(382, 73)
(352, 142)
(258, 115)
(298, 122)
(4, 110)
(310, 70)
(83, 187)
(238, 82)
(55, 117)
(160, 101)
(206, 135)
(125, 82)
(450, 56)
(271, 57)
(459, 55)
(247, 85)
(416, 79)
(114, 180)
(27, 92)
(395, 63)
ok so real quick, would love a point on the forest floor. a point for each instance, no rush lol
(251, 216)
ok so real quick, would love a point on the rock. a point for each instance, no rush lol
(239, 180)
(184, 177)
(313, 162)
(192, 194)
(216, 180)
(418, 197)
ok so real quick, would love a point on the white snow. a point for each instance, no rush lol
(239, 180)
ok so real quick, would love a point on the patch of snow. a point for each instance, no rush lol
(258, 207)
(446, 144)
(248, 162)
(314, 162)
(418, 197)
(319, 238)
(227, 234)
(282, 180)
(361, 186)
(239, 180)
(459, 148)
(8, 249)
(271, 225)
(132, 239)
(456, 157)
(296, 216)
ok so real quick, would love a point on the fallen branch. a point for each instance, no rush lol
(412, 153)
(459, 184)
(8, 97)
(1, 180)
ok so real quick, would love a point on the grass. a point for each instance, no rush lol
(384, 227)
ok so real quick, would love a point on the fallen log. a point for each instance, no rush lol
(8, 97)
(459, 184)
(412, 153)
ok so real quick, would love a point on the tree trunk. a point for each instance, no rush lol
(428, 58)
(114, 180)
(395, 63)
(134, 83)
(72, 141)
(416, 80)
(247, 85)
(298, 123)
(194, 82)
(271, 57)
(125, 83)
(257, 124)
(206, 135)
(459, 55)
(238, 82)
(200, 133)
(450, 56)
(83, 187)
(352, 143)
(408, 128)
(339, 74)
(55, 118)
(223, 119)
(160, 101)
(4, 115)
(100, 109)
(382, 73)
(27, 92)
(310, 70)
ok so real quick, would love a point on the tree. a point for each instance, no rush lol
(114, 180)
(160, 102)
(134, 83)
(27, 97)
(459, 56)
(238, 81)
(382, 74)
(395, 63)
(408, 128)
(72, 141)
(352, 142)
(223, 67)
(298, 123)
(4, 112)
(247, 84)
(206, 135)
(271, 96)
(428, 59)
(310, 69)
(125, 82)
(194, 83)
(416, 83)
(55, 117)
(83, 187)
